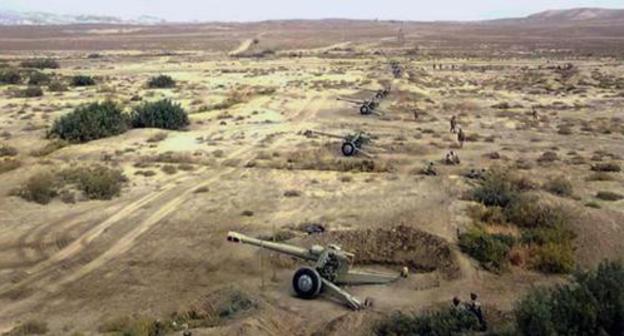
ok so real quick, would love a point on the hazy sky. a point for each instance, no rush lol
(252, 10)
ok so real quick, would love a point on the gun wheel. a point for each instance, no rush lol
(307, 283)
(348, 149)
(365, 110)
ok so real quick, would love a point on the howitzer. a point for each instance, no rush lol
(351, 143)
(367, 107)
(330, 268)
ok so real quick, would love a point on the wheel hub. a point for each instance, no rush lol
(305, 283)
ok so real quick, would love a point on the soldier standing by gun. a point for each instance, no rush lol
(461, 137)
(453, 124)
(475, 307)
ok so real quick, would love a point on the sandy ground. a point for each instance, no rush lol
(160, 246)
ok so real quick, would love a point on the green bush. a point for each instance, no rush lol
(560, 186)
(97, 182)
(161, 82)
(160, 114)
(440, 323)
(90, 122)
(82, 80)
(38, 78)
(490, 250)
(497, 189)
(546, 235)
(42, 63)
(528, 211)
(592, 305)
(10, 77)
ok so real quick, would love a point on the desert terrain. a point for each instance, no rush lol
(545, 102)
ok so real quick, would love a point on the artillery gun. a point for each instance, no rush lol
(330, 269)
(367, 107)
(351, 143)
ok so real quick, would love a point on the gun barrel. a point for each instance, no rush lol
(328, 135)
(294, 251)
(350, 100)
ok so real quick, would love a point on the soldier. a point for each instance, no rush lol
(457, 304)
(475, 307)
(534, 113)
(461, 137)
(453, 124)
(452, 158)
(430, 170)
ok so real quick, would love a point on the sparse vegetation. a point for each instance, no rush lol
(10, 76)
(96, 182)
(544, 226)
(442, 322)
(161, 82)
(9, 164)
(6, 150)
(606, 167)
(161, 114)
(38, 78)
(90, 122)
(41, 63)
(560, 186)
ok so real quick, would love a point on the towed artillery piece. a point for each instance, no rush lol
(331, 268)
(351, 143)
(367, 107)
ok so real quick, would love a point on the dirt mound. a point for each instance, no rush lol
(400, 246)
(359, 323)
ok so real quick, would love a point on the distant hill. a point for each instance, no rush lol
(41, 19)
(578, 14)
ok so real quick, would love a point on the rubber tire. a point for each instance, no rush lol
(317, 284)
(380, 95)
(364, 110)
(348, 149)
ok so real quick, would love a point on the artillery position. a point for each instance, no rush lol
(331, 269)
(351, 143)
(380, 94)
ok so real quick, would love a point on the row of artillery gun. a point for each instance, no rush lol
(329, 268)
(371, 105)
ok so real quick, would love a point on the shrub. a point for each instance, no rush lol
(496, 190)
(547, 235)
(49, 148)
(97, 182)
(609, 196)
(443, 322)
(30, 92)
(10, 77)
(160, 114)
(554, 258)
(6, 150)
(90, 122)
(592, 305)
(40, 188)
(528, 211)
(490, 250)
(560, 186)
(606, 167)
(38, 78)
(82, 80)
(43, 63)
(161, 82)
